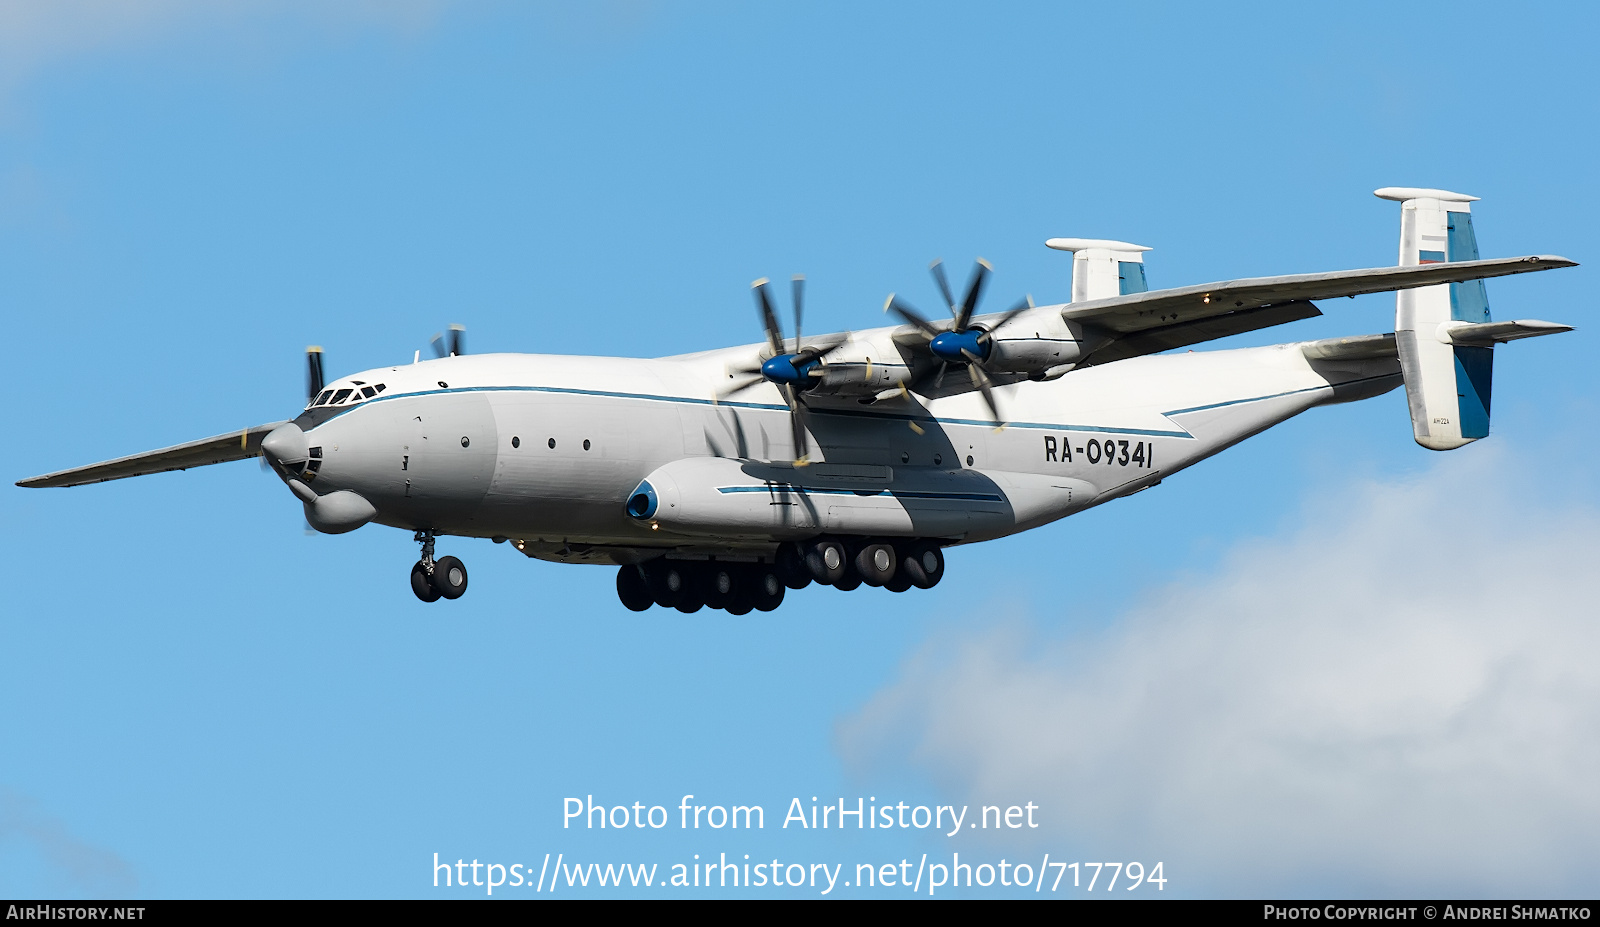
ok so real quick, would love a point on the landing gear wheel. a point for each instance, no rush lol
(851, 580)
(876, 563)
(790, 564)
(924, 563)
(450, 577)
(668, 582)
(421, 585)
(827, 561)
(689, 602)
(766, 589)
(900, 583)
(720, 584)
(633, 589)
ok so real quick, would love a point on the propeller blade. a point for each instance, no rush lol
(802, 447)
(799, 285)
(981, 381)
(313, 371)
(814, 353)
(937, 267)
(740, 386)
(974, 291)
(769, 319)
(437, 342)
(910, 315)
(1013, 312)
(938, 381)
(457, 349)
(1022, 306)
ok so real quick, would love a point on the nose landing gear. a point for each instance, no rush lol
(433, 579)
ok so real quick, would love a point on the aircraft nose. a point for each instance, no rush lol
(285, 445)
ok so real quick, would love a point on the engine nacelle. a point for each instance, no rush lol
(1041, 340)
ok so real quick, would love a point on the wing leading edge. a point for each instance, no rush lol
(235, 445)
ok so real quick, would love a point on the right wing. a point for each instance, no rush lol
(1143, 323)
(235, 445)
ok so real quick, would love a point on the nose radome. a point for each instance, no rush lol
(285, 444)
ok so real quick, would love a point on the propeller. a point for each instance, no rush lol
(454, 348)
(313, 371)
(793, 371)
(960, 343)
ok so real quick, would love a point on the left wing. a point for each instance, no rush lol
(235, 445)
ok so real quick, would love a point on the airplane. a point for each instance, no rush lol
(723, 478)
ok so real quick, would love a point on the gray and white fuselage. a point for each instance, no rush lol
(546, 450)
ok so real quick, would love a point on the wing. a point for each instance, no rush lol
(1143, 323)
(235, 445)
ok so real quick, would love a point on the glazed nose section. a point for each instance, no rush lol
(286, 446)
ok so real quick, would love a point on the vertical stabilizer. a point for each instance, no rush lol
(1447, 384)
(1102, 269)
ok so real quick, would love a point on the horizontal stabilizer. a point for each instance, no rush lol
(1489, 333)
(235, 445)
(1359, 347)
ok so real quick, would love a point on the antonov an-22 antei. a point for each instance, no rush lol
(722, 478)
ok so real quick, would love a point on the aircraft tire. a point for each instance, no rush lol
(766, 589)
(790, 562)
(900, 583)
(668, 581)
(450, 577)
(422, 585)
(875, 563)
(719, 584)
(690, 602)
(923, 562)
(828, 561)
(851, 580)
(633, 589)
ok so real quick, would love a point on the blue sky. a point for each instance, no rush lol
(201, 700)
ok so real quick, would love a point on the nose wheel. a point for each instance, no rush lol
(432, 580)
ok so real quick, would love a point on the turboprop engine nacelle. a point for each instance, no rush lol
(1039, 343)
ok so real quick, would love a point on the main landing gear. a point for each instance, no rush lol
(433, 579)
(845, 563)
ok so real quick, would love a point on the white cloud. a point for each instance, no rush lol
(34, 34)
(96, 872)
(1402, 697)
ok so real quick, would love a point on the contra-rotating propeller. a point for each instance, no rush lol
(313, 371)
(792, 371)
(455, 347)
(962, 343)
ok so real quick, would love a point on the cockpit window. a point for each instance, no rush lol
(323, 399)
(379, 387)
(340, 396)
(368, 392)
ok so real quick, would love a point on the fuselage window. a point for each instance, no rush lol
(339, 396)
(323, 399)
